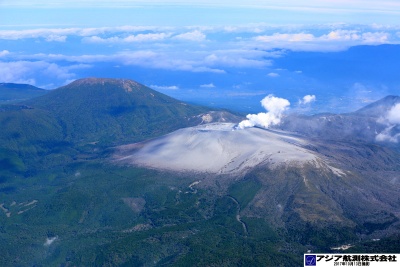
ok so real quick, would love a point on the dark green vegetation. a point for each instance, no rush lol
(106, 215)
(99, 214)
(13, 93)
(63, 203)
(83, 118)
(110, 112)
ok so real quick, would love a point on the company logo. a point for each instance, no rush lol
(310, 260)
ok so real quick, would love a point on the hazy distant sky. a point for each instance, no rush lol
(206, 49)
(195, 12)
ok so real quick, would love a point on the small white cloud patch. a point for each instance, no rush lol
(158, 87)
(210, 85)
(149, 37)
(4, 53)
(273, 74)
(386, 136)
(392, 120)
(393, 116)
(307, 99)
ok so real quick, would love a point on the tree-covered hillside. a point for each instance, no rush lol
(13, 93)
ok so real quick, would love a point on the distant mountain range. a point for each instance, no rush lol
(93, 112)
(110, 172)
(12, 92)
(361, 125)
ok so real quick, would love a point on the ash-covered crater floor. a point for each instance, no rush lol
(218, 148)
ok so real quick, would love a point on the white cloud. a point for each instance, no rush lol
(286, 37)
(56, 38)
(387, 136)
(4, 53)
(196, 61)
(210, 85)
(148, 37)
(307, 99)
(356, 36)
(172, 48)
(341, 35)
(273, 74)
(29, 72)
(250, 50)
(393, 115)
(158, 87)
(141, 58)
(375, 38)
(196, 35)
(332, 41)
(238, 58)
(328, 8)
(246, 93)
(50, 34)
(18, 72)
(56, 34)
(392, 120)
(97, 39)
(205, 69)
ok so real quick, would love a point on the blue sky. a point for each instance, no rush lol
(180, 13)
(210, 52)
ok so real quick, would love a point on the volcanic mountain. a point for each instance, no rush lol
(96, 113)
(114, 110)
(108, 172)
(302, 178)
(218, 148)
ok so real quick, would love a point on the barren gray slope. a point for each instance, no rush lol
(216, 148)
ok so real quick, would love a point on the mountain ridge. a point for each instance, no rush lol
(103, 109)
(380, 107)
(74, 206)
(90, 115)
(14, 93)
(361, 125)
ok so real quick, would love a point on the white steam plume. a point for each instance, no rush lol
(307, 99)
(392, 119)
(275, 107)
(393, 116)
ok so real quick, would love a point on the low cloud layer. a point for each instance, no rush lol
(275, 108)
(392, 120)
(28, 72)
(196, 49)
(340, 39)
